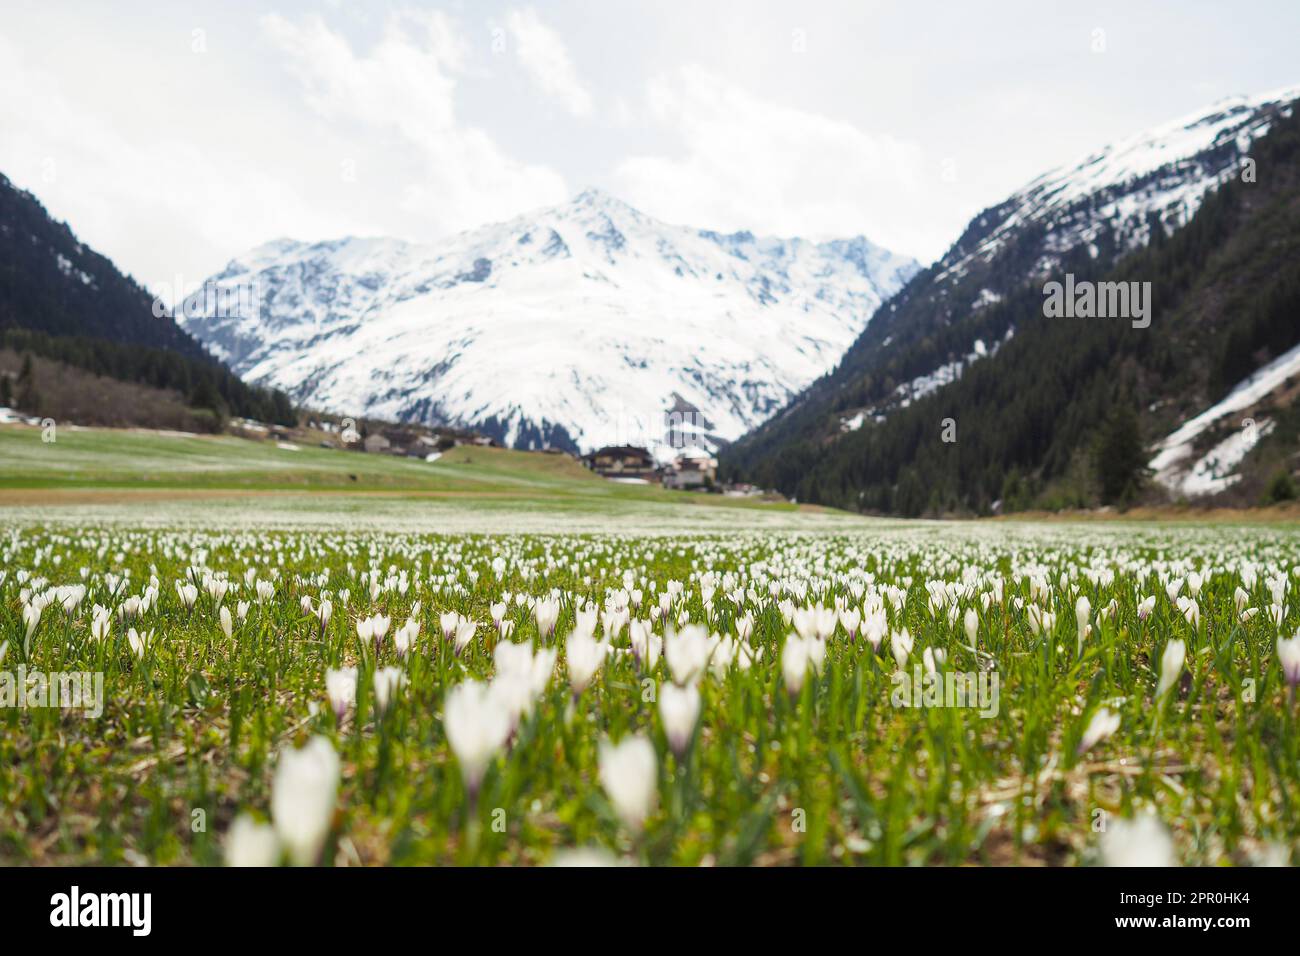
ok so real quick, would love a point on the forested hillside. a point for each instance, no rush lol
(1061, 411)
(63, 301)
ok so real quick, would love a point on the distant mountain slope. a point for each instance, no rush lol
(63, 300)
(573, 326)
(954, 335)
(50, 282)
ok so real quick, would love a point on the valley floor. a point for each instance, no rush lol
(443, 663)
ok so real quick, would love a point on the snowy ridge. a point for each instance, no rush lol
(1213, 472)
(1165, 171)
(923, 385)
(1162, 173)
(576, 326)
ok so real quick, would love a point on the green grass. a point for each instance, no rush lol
(834, 774)
(138, 459)
(159, 463)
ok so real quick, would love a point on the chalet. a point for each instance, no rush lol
(376, 443)
(622, 461)
(691, 473)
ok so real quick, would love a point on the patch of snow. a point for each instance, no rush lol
(1170, 461)
(1214, 471)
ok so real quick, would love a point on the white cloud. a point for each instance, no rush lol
(308, 132)
(168, 208)
(457, 177)
(542, 54)
(747, 163)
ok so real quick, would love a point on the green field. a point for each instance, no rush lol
(179, 478)
(756, 674)
(113, 458)
(749, 656)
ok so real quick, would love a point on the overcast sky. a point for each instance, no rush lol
(174, 136)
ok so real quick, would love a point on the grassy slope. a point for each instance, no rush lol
(170, 465)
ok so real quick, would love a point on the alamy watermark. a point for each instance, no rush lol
(1098, 300)
(977, 690)
(70, 690)
(133, 911)
(227, 300)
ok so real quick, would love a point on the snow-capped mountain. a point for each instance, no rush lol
(1103, 206)
(575, 326)
(1084, 216)
(1161, 173)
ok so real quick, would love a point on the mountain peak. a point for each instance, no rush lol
(592, 200)
(576, 325)
(593, 196)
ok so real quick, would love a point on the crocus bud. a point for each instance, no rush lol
(303, 793)
(679, 709)
(1171, 666)
(628, 772)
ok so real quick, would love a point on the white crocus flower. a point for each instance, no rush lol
(303, 794)
(1143, 841)
(546, 612)
(646, 645)
(583, 654)
(100, 624)
(341, 688)
(1288, 655)
(1082, 611)
(679, 709)
(387, 681)
(1040, 621)
(477, 726)
(794, 663)
(31, 618)
(1146, 606)
(874, 626)
(405, 636)
(187, 593)
(373, 629)
(628, 772)
(1276, 612)
(1103, 724)
(465, 631)
(900, 645)
(1171, 666)
(687, 653)
(249, 843)
(972, 625)
(227, 625)
(138, 642)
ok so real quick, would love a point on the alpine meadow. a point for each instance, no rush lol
(447, 449)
